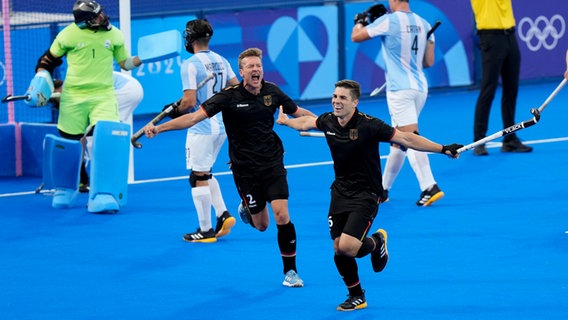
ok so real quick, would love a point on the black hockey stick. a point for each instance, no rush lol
(10, 97)
(161, 116)
(518, 126)
(434, 27)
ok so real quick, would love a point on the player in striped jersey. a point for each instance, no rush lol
(205, 139)
(406, 51)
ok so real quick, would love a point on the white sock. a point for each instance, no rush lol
(421, 165)
(394, 163)
(217, 197)
(202, 200)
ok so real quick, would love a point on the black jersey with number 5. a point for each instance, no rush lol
(355, 151)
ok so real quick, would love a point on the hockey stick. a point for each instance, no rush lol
(10, 97)
(518, 126)
(312, 134)
(434, 27)
(26, 97)
(378, 90)
(162, 115)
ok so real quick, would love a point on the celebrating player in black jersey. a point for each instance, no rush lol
(256, 152)
(353, 139)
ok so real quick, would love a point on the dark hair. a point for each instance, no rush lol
(352, 86)
(197, 30)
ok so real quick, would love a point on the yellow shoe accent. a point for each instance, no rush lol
(226, 228)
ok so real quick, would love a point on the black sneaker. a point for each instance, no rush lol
(380, 256)
(480, 150)
(200, 236)
(84, 187)
(430, 196)
(353, 303)
(224, 224)
(385, 196)
(515, 145)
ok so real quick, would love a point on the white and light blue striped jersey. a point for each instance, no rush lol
(403, 38)
(193, 71)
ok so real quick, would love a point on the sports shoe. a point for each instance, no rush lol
(429, 196)
(292, 280)
(353, 303)
(200, 236)
(245, 215)
(224, 224)
(515, 145)
(84, 187)
(385, 196)
(480, 150)
(380, 255)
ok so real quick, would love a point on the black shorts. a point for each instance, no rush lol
(258, 188)
(352, 215)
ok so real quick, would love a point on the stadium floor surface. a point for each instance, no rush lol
(495, 247)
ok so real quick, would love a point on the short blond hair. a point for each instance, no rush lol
(250, 52)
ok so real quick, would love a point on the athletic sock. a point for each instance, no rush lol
(421, 165)
(394, 163)
(217, 197)
(366, 248)
(287, 245)
(348, 270)
(202, 200)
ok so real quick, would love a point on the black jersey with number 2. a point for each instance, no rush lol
(355, 151)
(249, 123)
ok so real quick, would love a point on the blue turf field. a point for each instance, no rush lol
(495, 247)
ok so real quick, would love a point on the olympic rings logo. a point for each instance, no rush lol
(542, 29)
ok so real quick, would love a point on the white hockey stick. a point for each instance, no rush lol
(312, 134)
(378, 90)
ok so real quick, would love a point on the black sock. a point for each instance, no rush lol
(84, 179)
(366, 248)
(287, 245)
(347, 267)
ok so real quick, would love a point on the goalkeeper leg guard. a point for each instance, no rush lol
(61, 167)
(109, 167)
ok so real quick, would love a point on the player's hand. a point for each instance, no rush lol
(282, 117)
(362, 18)
(376, 11)
(150, 131)
(451, 150)
(174, 113)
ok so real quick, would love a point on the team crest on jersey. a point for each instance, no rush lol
(268, 100)
(107, 44)
(353, 134)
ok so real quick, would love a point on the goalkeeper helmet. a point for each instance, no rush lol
(86, 14)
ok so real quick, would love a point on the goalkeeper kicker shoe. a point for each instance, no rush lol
(429, 196)
(353, 303)
(380, 256)
(224, 224)
(200, 236)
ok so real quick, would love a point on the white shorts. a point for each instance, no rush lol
(128, 98)
(405, 106)
(201, 150)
